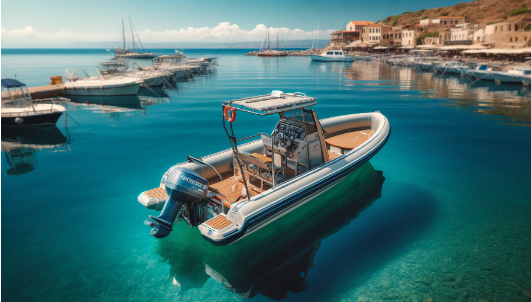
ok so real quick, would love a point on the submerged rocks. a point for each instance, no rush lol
(449, 278)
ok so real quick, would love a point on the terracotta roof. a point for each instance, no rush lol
(361, 22)
(449, 17)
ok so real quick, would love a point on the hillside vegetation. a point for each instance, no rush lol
(480, 11)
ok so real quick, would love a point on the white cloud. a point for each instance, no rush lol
(223, 32)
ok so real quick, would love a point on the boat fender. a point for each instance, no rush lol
(73, 87)
(19, 120)
(86, 88)
(101, 87)
(184, 187)
(64, 87)
(232, 117)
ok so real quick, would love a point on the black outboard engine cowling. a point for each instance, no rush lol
(183, 186)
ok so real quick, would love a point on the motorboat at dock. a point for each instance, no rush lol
(19, 109)
(119, 69)
(515, 75)
(333, 55)
(482, 72)
(78, 82)
(230, 194)
(449, 67)
(173, 64)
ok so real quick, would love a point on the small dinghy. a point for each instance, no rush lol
(231, 194)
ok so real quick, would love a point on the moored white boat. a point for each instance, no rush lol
(334, 55)
(232, 193)
(100, 85)
(150, 77)
(515, 75)
(483, 72)
(18, 108)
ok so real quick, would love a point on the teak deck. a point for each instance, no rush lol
(218, 222)
(230, 187)
(349, 139)
(159, 193)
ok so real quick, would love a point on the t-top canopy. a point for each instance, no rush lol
(275, 102)
(10, 83)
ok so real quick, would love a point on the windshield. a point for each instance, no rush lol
(295, 114)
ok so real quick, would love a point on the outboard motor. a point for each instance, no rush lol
(183, 186)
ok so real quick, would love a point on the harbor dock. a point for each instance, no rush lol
(47, 91)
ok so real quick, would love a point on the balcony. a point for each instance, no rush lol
(461, 42)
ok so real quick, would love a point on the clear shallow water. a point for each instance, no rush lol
(442, 213)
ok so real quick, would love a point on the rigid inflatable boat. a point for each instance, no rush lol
(233, 193)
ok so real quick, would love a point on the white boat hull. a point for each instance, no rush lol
(247, 217)
(181, 74)
(319, 58)
(504, 77)
(482, 75)
(102, 90)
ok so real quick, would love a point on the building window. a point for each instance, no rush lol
(516, 39)
(511, 39)
(451, 21)
(444, 21)
(456, 21)
(495, 28)
(509, 28)
(525, 38)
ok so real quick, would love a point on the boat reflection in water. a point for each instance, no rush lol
(274, 260)
(21, 144)
(111, 106)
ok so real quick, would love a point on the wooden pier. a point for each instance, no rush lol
(48, 91)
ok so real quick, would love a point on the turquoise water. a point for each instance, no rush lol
(440, 214)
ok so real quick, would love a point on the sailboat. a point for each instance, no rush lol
(267, 51)
(134, 53)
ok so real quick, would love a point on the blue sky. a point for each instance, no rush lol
(39, 21)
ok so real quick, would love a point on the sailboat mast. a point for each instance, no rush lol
(123, 32)
(342, 33)
(278, 28)
(132, 34)
(136, 32)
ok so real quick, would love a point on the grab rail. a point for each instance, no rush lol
(256, 135)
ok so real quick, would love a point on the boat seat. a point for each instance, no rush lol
(333, 155)
(350, 139)
(254, 160)
(261, 157)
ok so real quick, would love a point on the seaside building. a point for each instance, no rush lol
(462, 34)
(352, 32)
(449, 20)
(395, 35)
(426, 22)
(357, 25)
(409, 39)
(376, 32)
(340, 37)
(513, 33)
